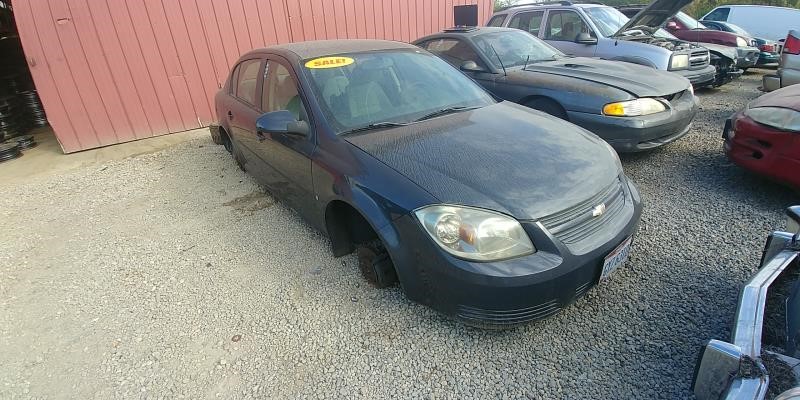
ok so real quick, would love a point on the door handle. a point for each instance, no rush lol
(260, 136)
(230, 115)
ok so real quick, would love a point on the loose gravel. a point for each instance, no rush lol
(172, 275)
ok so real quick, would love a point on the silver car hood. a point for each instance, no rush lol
(654, 15)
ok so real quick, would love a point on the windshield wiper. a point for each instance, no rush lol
(443, 111)
(373, 126)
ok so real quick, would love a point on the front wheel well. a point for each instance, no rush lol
(545, 104)
(346, 228)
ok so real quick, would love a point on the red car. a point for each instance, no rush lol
(765, 136)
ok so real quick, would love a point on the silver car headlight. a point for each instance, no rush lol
(781, 118)
(679, 61)
(475, 234)
(740, 42)
(634, 108)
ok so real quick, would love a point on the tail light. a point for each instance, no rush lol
(792, 45)
(767, 48)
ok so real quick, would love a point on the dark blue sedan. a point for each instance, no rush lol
(491, 212)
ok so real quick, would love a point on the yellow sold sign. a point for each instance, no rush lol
(329, 62)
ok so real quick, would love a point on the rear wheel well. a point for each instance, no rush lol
(226, 139)
(346, 228)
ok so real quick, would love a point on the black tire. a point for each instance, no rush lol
(375, 264)
(226, 140)
(548, 106)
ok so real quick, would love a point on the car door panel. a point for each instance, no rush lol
(242, 114)
(287, 156)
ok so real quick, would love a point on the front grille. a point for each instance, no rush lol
(479, 316)
(577, 223)
(675, 95)
(699, 59)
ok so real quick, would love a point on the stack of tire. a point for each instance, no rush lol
(20, 110)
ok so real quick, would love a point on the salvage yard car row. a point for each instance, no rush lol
(478, 167)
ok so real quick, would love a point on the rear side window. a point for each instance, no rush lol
(497, 20)
(527, 21)
(246, 81)
(719, 14)
(564, 25)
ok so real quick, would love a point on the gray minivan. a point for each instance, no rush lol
(596, 30)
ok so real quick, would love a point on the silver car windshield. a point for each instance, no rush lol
(514, 48)
(357, 90)
(608, 20)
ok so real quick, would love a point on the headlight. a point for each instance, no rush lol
(679, 61)
(691, 89)
(475, 234)
(776, 117)
(740, 42)
(634, 108)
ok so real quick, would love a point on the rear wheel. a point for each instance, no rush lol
(375, 264)
(548, 106)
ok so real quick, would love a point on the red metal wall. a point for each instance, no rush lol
(111, 71)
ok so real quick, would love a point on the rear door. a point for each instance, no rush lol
(561, 31)
(528, 21)
(242, 111)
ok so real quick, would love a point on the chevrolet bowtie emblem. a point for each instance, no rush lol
(598, 210)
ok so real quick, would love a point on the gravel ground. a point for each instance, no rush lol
(172, 275)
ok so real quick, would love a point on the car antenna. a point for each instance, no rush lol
(527, 59)
(498, 59)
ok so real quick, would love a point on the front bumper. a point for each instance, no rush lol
(747, 57)
(699, 77)
(765, 58)
(506, 293)
(762, 149)
(734, 370)
(633, 134)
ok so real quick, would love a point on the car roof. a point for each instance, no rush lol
(467, 31)
(550, 4)
(321, 48)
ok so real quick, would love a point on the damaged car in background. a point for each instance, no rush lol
(761, 358)
(597, 30)
(684, 27)
(632, 107)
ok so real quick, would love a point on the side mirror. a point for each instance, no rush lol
(585, 38)
(672, 26)
(718, 361)
(471, 66)
(281, 122)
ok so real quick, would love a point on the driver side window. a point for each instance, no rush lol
(454, 51)
(565, 25)
(280, 91)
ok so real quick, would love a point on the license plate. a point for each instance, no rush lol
(616, 258)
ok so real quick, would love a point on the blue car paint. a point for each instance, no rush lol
(324, 169)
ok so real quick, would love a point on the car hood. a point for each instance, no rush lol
(638, 80)
(503, 157)
(721, 50)
(788, 97)
(654, 15)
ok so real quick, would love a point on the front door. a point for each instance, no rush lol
(561, 32)
(287, 156)
(456, 52)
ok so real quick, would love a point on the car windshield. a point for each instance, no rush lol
(378, 88)
(688, 21)
(608, 20)
(514, 48)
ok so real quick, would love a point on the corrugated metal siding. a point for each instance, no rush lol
(111, 71)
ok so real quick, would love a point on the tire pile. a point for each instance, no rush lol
(20, 111)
